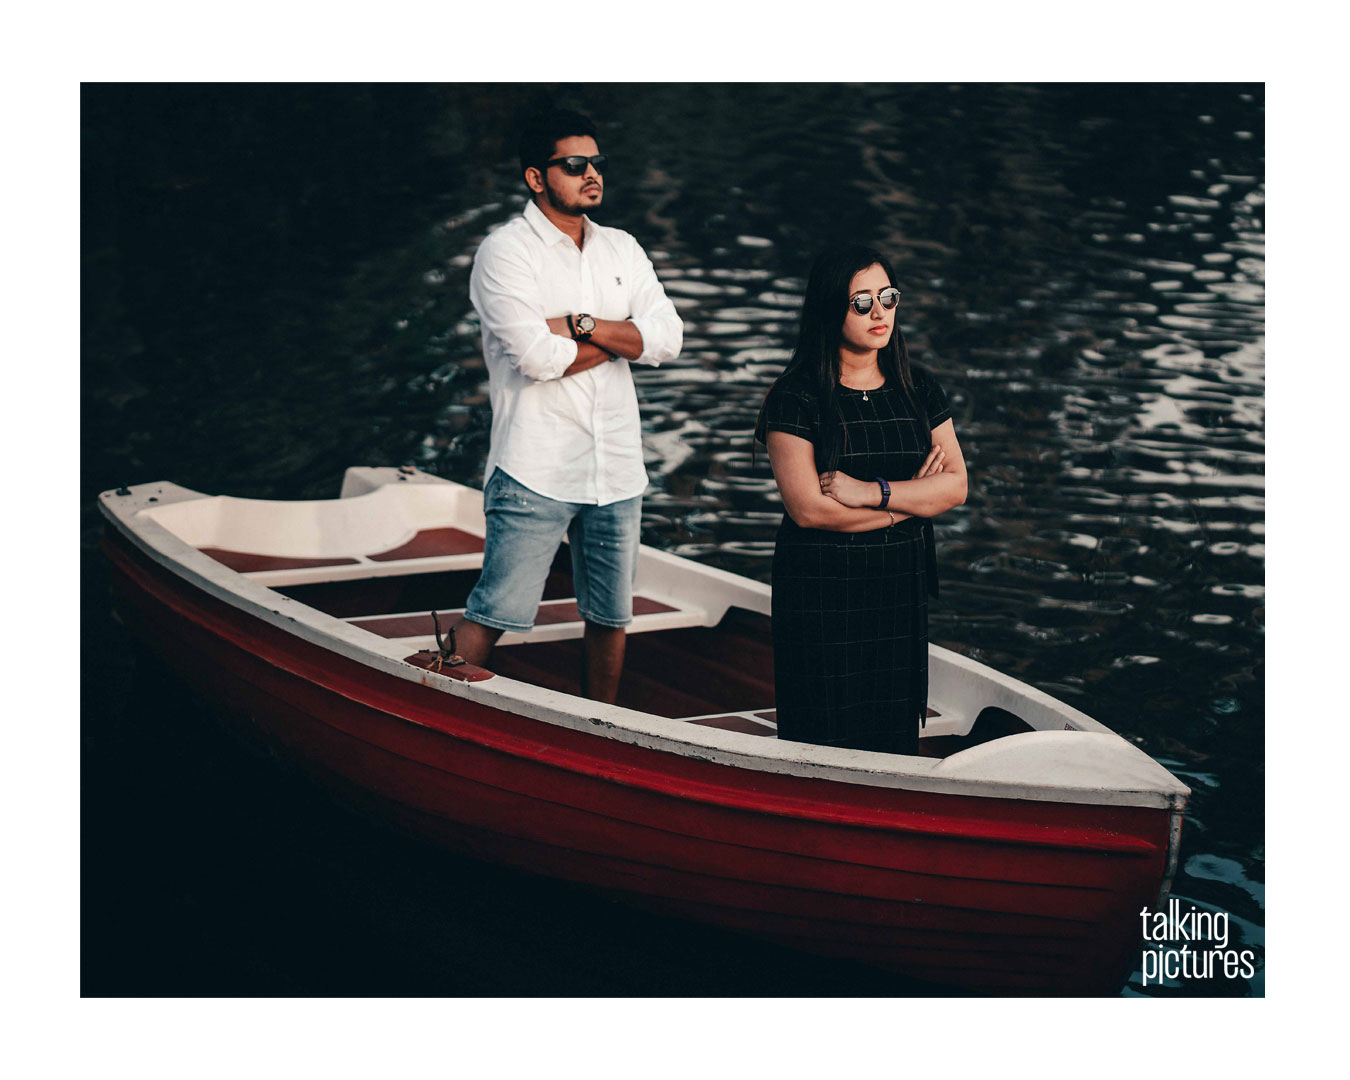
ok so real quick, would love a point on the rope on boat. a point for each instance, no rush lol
(445, 655)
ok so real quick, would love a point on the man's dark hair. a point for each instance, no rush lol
(542, 130)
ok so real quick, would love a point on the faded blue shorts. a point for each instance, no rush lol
(524, 530)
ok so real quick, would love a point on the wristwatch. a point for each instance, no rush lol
(583, 327)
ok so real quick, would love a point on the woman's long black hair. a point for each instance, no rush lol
(815, 360)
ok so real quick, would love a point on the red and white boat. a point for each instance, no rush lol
(1013, 855)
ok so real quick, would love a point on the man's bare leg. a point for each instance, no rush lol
(602, 662)
(474, 641)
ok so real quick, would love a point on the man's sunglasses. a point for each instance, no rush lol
(862, 303)
(575, 165)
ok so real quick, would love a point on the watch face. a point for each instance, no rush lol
(585, 324)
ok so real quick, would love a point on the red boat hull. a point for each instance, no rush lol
(996, 895)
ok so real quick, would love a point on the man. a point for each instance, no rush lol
(565, 305)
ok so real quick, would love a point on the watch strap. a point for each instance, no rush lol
(885, 493)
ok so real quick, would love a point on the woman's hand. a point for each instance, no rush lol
(843, 489)
(859, 494)
(932, 464)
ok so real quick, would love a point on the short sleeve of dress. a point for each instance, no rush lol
(791, 409)
(931, 397)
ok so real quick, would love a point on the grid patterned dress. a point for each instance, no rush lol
(850, 610)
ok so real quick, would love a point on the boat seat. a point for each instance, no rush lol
(428, 551)
(751, 723)
(765, 722)
(557, 620)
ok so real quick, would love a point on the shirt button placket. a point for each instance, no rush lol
(597, 383)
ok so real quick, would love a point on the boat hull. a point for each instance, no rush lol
(988, 894)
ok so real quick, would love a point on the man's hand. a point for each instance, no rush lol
(859, 494)
(589, 354)
(615, 337)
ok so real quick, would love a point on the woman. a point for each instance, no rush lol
(864, 453)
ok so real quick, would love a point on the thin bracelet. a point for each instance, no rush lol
(892, 513)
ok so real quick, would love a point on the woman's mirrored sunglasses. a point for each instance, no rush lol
(575, 165)
(862, 303)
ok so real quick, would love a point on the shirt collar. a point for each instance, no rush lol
(549, 233)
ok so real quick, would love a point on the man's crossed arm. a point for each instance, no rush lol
(610, 338)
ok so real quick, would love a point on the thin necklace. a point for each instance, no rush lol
(864, 392)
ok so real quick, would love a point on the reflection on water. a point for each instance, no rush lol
(1082, 267)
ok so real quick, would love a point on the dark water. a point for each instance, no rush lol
(275, 287)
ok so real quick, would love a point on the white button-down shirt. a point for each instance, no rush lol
(575, 439)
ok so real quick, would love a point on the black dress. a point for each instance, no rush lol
(850, 610)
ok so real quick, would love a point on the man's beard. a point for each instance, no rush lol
(556, 201)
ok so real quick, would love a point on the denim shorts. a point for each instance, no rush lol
(524, 530)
